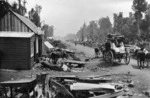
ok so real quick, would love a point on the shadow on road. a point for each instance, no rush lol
(135, 66)
(105, 64)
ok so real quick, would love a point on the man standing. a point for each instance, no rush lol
(96, 52)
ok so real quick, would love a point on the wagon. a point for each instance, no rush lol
(114, 53)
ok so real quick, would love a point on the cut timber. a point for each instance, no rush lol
(48, 45)
(90, 86)
(110, 95)
(17, 83)
(94, 80)
(74, 62)
(67, 77)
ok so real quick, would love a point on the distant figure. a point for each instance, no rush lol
(75, 43)
(96, 51)
(84, 44)
(54, 56)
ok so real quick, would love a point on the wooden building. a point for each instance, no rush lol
(16, 50)
(13, 22)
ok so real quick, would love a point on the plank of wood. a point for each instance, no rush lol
(110, 95)
(8, 21)
(14, 83)
(67, 77)
(94, 80)
(91, 86)
(74, 62)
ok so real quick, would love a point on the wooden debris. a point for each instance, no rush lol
(90, 86)
(110, 95)
(61, 88)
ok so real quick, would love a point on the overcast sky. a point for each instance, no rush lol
(67, 16)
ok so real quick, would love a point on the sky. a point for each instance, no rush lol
(67, 16)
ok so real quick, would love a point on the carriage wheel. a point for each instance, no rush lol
(127, 58)
(110, 57)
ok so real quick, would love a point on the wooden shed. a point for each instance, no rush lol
(12, 21)
(16, 50)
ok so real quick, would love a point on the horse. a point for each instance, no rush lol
(147, 58)
(142, 56)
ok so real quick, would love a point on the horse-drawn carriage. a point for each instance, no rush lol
(115, 50)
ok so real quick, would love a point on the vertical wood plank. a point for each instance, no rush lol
(8, 22)
(13, 22)
(22, 27)
(19, 25)
(14, 19)
(16, 24)
(0, 25)
(15, 28)
(4, 23)
(26, 28)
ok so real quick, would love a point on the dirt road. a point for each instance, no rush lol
(99, 67)
(89, 52)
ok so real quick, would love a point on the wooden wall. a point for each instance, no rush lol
(11, 23)
(15, 53)
(32, 40)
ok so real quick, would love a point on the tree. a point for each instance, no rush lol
(92, 30)
(96, 31)
(48, 31)
(4, 7)
(105, 27)
(139, 6)
(82, 32)
(119, 21)
(19, 8)
(34, 15)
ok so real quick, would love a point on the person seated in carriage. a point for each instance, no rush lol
(117, 44)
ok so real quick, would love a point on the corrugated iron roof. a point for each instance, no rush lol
(16, 34)
(27, 22)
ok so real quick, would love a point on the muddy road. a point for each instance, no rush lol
(97, 66)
